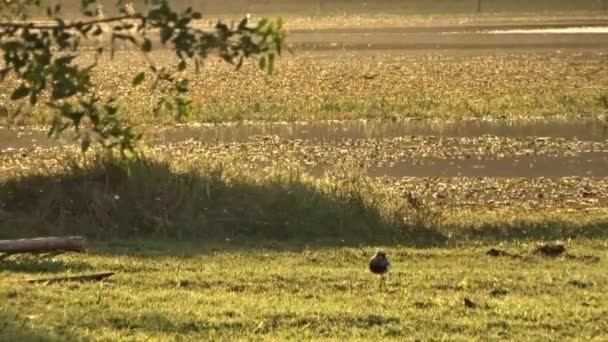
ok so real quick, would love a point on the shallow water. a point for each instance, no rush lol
(591, 35)
(532, 41)
(586, 129)
(564, 30)
(408, 40)
(581, 129)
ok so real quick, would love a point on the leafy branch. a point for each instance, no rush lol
(42, 57)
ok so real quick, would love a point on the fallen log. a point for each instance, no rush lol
(43, 245)
(86, 277)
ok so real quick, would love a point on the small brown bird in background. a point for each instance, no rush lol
(380, 265)
(469, 303)
(550, 250)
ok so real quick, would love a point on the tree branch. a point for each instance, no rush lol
(69, 25)
(43, 245)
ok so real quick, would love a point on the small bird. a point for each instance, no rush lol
(380, 265)
(550, 250)
(469, 303)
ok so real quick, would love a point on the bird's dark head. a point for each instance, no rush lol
(380, 254)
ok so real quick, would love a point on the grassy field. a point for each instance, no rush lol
(357, 87)
(243, 241)
(276, 291)
(208, 247)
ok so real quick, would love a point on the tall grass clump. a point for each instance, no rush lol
(106, 197)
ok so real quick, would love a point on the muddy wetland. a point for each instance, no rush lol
(526, 170)
(483, 121)
(470, 146)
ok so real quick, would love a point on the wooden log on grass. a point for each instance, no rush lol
(43, 245)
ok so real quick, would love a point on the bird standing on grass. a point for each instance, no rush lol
(380, 265)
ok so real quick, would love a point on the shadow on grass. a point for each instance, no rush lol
(34, 264)
(17, 327)
(106, 198)
(546, 230)
(154, 322)
(217, 206)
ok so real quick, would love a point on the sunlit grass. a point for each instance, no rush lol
(278, 291)
(385, 87)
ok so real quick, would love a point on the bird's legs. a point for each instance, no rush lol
(383, 283)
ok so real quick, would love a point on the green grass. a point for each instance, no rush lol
(105, 197)
(281, 291)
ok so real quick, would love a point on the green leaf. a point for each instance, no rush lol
(262, 63)
(54, 127)
(262, 23)
(183, 86)
(65, 60)
(146, 46)
(138, 79)
(128, 153)
(20, 92)
(33, 98)
(165, 34)
(85, 143)
(270, 63)
(278, 42)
